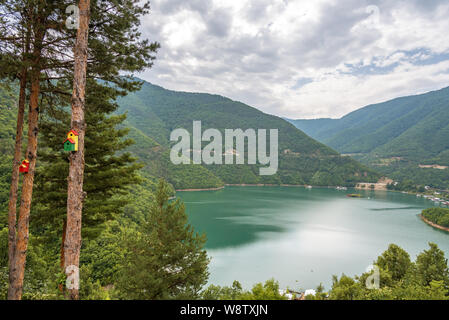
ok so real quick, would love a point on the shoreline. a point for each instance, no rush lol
(430, 223)
(269, 185)
(264, 185)
(257, 185)
(195, 190)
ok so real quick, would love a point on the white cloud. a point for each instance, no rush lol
(256, 51)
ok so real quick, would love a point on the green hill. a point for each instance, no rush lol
(393, 136)
(153, 112)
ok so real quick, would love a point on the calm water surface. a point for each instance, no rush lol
(302, 237)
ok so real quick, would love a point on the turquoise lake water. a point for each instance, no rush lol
(302, 237)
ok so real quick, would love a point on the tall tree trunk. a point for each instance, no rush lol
(19, 261)
(75, 194)
(12, 207)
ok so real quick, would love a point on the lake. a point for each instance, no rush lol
(302, 237)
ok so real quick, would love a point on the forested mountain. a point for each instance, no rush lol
(153, 112)
(402, 133)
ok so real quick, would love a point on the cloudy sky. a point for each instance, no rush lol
(301, 59)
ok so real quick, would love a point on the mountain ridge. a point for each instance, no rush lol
(156, 111)
(393, 136)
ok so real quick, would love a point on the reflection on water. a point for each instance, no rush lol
(302, 237)
(398, 208)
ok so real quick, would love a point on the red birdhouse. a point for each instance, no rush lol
(25, 166)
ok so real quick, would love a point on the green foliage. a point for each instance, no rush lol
(8, 114)
(400, 279)
(431, 265)
(260, 291)
(165, 260)
(345, 288)
(5, 180)
(396, 261)
(413, 178)
(214, 292)
(136, 212)
(267, 291)
(39, 272)
(439, 216)
(103, 254)
(181, 176)
(91, 289)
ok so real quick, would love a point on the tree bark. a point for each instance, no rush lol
(12, 207)
(75, 194)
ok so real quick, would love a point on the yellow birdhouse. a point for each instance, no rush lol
(72, 137)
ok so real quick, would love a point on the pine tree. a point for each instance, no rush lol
(395, 261)
(109, 170)
(166, 260)
(431, 265)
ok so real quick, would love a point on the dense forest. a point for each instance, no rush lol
(394, 137)
(8, 114)
(111, 268)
